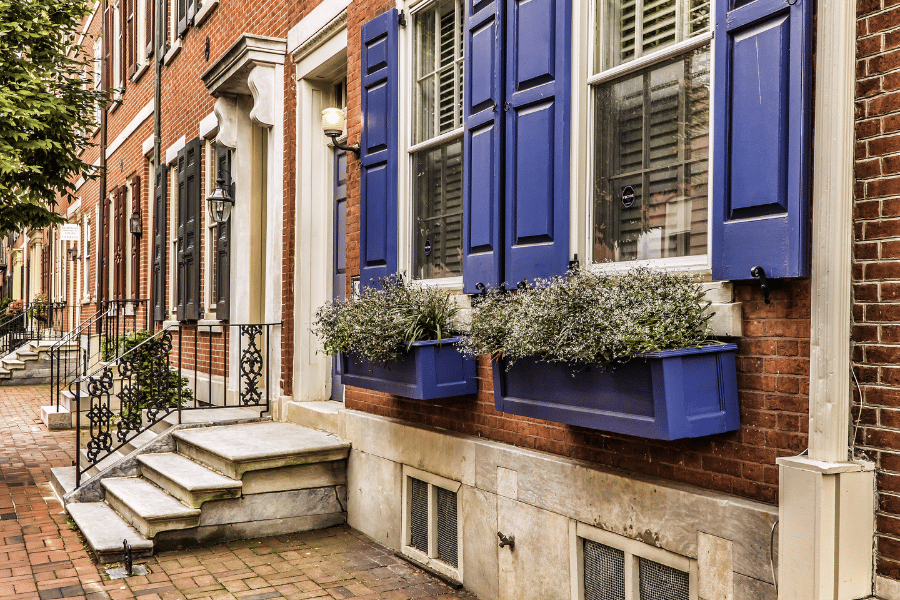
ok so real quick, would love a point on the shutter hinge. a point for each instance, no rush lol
(401, 19)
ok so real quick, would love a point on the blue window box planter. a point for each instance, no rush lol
(429, 370)
(661, 395)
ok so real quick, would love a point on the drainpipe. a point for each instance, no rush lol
(826, 498)
(101, 224)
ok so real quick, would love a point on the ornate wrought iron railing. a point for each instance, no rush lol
(167, 373)
(84, 346)
(36, 321)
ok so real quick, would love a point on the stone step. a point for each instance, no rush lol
(258, 446)
(148, 508)
(13, 364)
(186, 480)
(104, 531)
(62, 480)
(5, 373)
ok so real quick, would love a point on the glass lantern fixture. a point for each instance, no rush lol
(72, 253)
(135, 224)
(220, 202)
(333, 123)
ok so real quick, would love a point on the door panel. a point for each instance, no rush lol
(339, 270)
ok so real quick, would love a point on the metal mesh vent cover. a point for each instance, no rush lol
(659, 582)
(447, 533)
(604, 572)
(418, 505)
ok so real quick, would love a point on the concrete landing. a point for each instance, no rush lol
(256, 446)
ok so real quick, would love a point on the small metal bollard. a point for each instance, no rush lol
(129, 561)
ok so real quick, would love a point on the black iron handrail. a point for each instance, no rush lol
(149, 384)
(59, 371)
(35, 321)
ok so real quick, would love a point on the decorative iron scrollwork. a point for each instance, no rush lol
(251, 366)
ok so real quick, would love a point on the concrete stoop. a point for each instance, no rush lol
(213, 484)
(30, 364)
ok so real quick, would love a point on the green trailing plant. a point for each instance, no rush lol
(4, 304)
(150, 360)
(588, 318)
(383, 323)
(40, 308)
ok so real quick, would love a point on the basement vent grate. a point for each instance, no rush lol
(446, 527)
(419, 515)
(604, 572)
(660, 582)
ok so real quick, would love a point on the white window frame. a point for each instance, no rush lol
(406, 122)
(586, 33)
(430, 559)
(98, 76)
(633, 550)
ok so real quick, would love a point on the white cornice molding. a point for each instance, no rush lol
(229, 74)
(832, 218)
(319, 25)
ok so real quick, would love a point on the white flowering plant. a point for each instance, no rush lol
(383, 323)
(589, 318)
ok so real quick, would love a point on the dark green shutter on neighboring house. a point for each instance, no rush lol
(189, 205)
(223, 241)
(159, 244)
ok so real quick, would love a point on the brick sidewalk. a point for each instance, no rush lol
(41, 558)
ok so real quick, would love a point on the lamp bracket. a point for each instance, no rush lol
(354, 148)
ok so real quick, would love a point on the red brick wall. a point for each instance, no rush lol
(876, 270)
(773, 377)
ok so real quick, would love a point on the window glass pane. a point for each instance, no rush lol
(652, 159)
(630, 29)
(438, 217)
(438, 85)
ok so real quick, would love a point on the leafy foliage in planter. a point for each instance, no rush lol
(591, 318)
(150, 359)
(40, 308)
(382, 323)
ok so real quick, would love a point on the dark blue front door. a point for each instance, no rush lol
(339, 271)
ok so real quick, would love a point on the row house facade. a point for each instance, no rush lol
(495, 139)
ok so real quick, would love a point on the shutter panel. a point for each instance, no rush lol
(190, 231)
(223, 243)
(191, 11)
(182, 16)
(107, 44)
(130, 38)
(181, 206)
(378, 178)
(538, 90)
(159, 244)
(122, 40)
(762, 133)
(136, 240)
(119, 270)
(483, 145)
(104, 282)
(149, 22)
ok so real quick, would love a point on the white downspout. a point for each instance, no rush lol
(826, 499)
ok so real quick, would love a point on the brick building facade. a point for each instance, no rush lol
(253, 78)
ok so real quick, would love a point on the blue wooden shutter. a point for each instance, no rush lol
(538, 92)
(762, 133)
(378, 177)
(483, 145)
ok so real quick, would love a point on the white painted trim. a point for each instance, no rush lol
(81, 182)
(436, 141)
(652, 58)
(142, 68)
(206, 9)
(317, 19)
(209, 126)
(325, 51)
(147, 146)
(173, 150)
(174, 51)
(126, 133)
(73, 208)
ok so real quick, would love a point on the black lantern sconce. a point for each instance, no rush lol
(72, 253)
(221, 201)
(333, 122)
(135, 224)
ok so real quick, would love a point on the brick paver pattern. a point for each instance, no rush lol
(42, 558)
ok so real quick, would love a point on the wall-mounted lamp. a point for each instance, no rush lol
(333, 122)
(135, 224)
(220, 202)
(72, 253)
